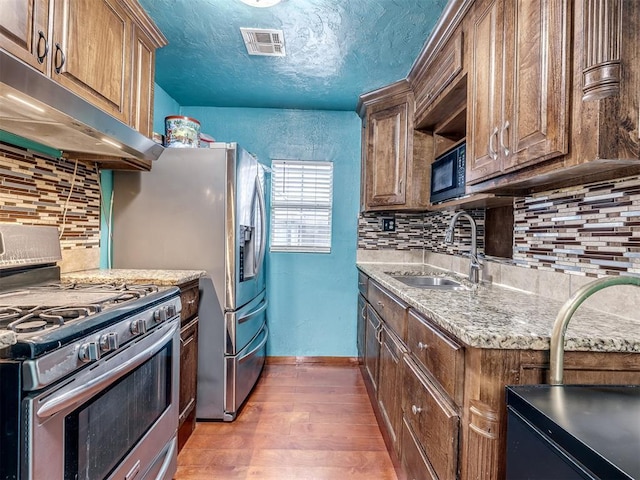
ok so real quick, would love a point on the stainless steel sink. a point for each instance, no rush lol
(424, 281)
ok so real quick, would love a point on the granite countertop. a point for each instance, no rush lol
(7, 338)
(492, 316)
(156, 277)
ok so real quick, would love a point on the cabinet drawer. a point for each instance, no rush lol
(433, 419)
(362, 283)
(189, 296)
(438, 354)
(439, 74)
(392, 310)
(415, 464)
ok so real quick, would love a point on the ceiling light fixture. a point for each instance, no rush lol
(261, 3)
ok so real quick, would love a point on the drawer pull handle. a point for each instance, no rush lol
(416, 410)
(380, 304)
(422, 346)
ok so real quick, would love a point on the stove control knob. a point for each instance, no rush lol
(89, 352)
(138, 327)
(171, 310)
(109, 342)
(160, 315)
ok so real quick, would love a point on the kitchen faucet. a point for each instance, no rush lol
(556, 362)
(474, 263)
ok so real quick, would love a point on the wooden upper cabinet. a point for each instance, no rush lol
(484, 108)
(143, 81)
(102, 50)
(92, 52)
(24, 31)
(519, 105)
(395, 157)
(387, 156)
(536, 103)
(437, 81)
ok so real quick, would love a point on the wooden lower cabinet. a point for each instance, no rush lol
(372, 348)
(414, 461)
(361, 326)
(189, 295)
(452, 421)
(433, 418)
(389, 384)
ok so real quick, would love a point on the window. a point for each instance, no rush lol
(301, 201)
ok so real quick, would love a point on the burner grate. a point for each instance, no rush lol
(48, 306)
(34, 319)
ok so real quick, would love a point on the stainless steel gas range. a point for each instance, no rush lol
(89, 389)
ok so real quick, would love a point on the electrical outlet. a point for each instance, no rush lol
(388, 224)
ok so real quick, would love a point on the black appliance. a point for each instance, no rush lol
(448, 175)
(564, 432)
(89, 373)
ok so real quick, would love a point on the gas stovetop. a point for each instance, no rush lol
(35, 309)
(50, 316)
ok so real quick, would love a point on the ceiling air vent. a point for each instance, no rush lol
(260, 41)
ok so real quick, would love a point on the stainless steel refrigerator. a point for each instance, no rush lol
(204, 209)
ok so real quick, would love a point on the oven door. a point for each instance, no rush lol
(117, 418)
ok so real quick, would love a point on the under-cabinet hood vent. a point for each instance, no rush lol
(37, 108)
(260, 41)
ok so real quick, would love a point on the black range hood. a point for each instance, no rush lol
(55, 117)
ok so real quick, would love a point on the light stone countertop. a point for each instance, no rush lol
(132, 276)
(7, 337)
(492, 316)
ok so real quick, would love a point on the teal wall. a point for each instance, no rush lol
(163, 106)
(312, 297)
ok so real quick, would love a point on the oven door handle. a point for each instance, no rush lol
(79, 394)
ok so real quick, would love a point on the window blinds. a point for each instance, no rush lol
(301, 203)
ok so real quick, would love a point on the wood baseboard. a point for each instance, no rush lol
(334, 361)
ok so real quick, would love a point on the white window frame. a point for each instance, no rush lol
(301, 206)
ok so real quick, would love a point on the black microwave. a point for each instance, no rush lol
(448, 175)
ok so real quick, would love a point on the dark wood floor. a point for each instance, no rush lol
(302, 422)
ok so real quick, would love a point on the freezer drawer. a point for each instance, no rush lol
(244, 324)
(243, 371)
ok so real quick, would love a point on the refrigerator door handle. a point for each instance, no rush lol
(263, 225)
(253, 313)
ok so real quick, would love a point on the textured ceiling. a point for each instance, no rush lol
(336, 50)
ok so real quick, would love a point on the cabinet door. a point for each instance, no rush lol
(433, 419)
(535, 120)
(389, 381)
(519, 110)
(91, 53)
(484, 112)
(372, 347)
(387, 156)
(23, 30)
(414, 462)
(188, 378)
(362, 325)
(143, 77)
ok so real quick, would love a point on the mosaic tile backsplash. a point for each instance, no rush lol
(415, 231)
(34, 191)
(590, 230)
(593, 229)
